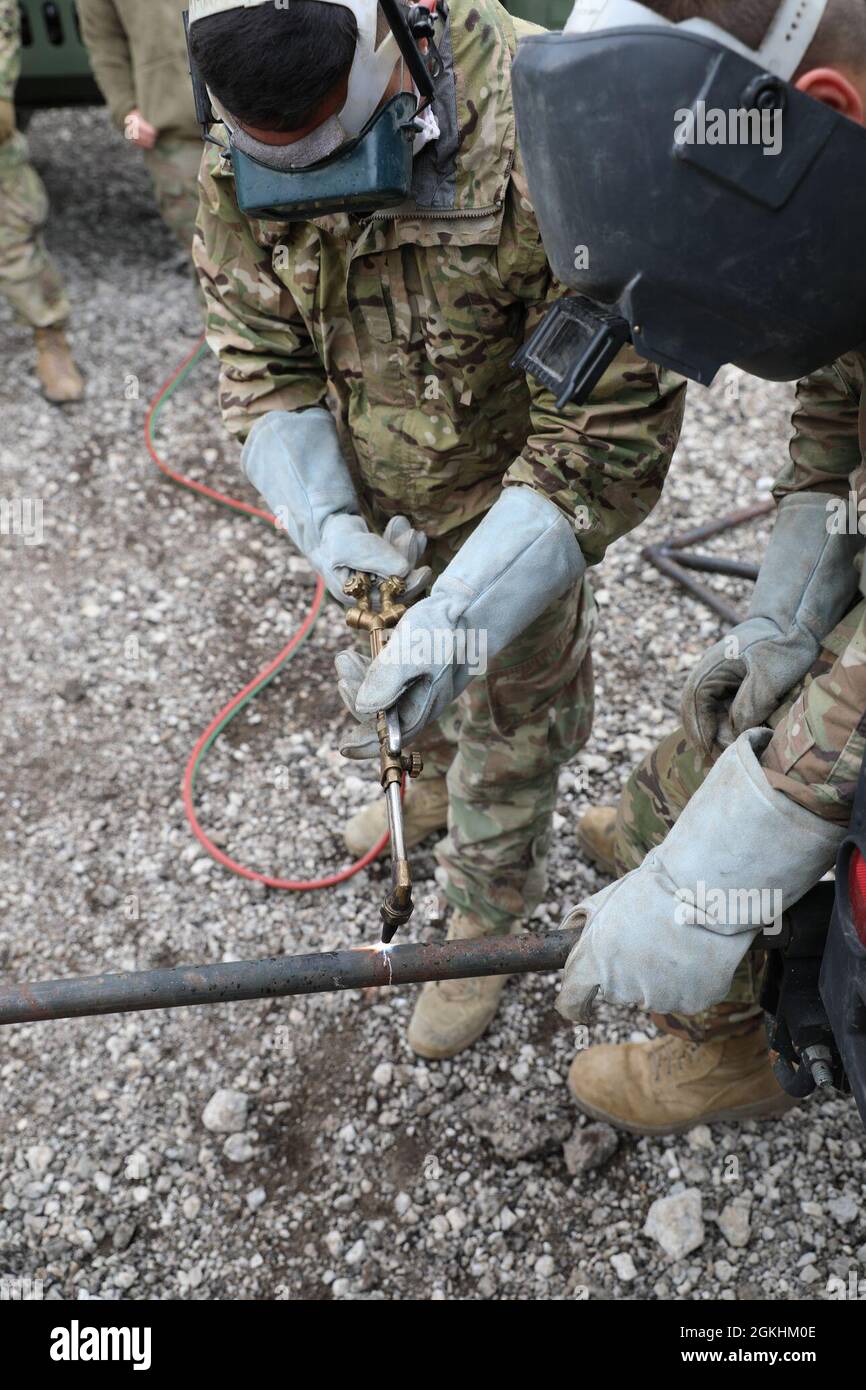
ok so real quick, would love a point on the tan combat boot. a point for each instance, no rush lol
(668, 1085)
(451, 1015)
(425, 810)
(60, 378)
(596, 831)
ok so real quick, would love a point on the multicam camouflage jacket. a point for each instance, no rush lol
(818, 745)
(404, 324)
(10, 48)
(828, 450)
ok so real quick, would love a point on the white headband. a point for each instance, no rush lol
(785, 46)
(371, 66)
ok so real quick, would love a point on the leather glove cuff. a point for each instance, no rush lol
(294, 460)
(808, 578)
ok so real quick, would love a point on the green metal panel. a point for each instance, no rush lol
(551, 13)
(55, 67)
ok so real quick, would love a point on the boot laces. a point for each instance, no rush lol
(672, 1058)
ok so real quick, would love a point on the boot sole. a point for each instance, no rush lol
(759, 1109)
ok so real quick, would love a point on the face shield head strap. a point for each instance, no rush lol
(782, 51)
(204, 112)
(402, 26)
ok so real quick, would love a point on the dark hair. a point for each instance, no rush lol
(272, 66)
(840, 40)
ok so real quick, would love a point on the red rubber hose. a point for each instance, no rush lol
(258, 683)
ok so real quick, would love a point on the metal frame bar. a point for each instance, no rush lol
(662, 557)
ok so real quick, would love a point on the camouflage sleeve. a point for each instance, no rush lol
(10, 48)
(110, 56)
(816, 751)
(825, 449)
(603, 463)
(267, 359)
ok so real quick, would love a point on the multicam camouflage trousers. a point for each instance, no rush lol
(502, 744)
(29, 279)
(173, 166)
(814, 758)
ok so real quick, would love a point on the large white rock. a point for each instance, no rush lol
(676, 1223)
(226, 1112)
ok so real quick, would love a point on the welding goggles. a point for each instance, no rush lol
(744, 246)
(359, 159)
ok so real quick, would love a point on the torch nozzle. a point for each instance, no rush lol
(397, 907)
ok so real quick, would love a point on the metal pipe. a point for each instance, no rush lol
(661, 559)
(361, 968)
(716, 564)
(698, 534)
(662, 556)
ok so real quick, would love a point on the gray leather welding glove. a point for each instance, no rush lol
(669, 936)
(294, 460)
(521, 558)
(807, 582)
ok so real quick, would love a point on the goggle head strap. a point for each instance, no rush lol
(782, 51)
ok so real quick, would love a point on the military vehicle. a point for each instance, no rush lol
(56, 69)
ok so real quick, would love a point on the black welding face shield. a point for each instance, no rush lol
(358, 160)
(701, 205)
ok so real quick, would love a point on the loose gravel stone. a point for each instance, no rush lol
(226, 1112)
(39, 1158)
(516, 1133)
(844, 1210)
(238, 1148)
(735, 1223)
(624, 1266)
(590, 1147)
(676, 1223)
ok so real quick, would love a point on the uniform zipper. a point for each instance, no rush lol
(446, 214)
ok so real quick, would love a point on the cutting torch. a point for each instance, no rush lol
(376, 612)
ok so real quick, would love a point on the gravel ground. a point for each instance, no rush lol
(297, 1149)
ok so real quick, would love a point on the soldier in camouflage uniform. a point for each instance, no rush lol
(717, 1059)
(795, 665)
(29, 279)
(403, 324)
(138, 53)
